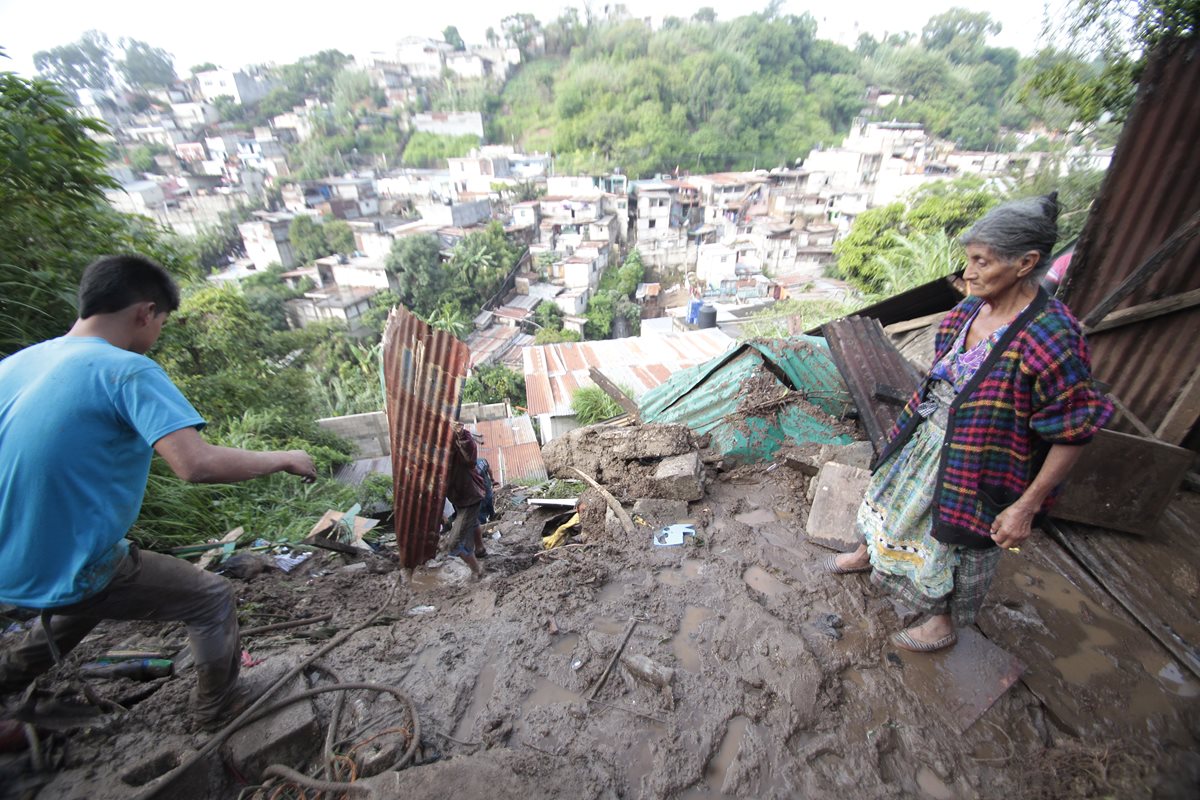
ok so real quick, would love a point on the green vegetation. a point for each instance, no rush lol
(868, 256)
(772, 322)
(54, 219)
(474, 273)
(592, 405)
(312, 239)
(431, 150)
(614, 298)
(495, 383)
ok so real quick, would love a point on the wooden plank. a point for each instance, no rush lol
(1157, 260)
(913, 324)
(211, 556)
(1183, 412)
(1123, 483)
(1134, 419)
(623, 400)
(1143, 577)
(1145, 311)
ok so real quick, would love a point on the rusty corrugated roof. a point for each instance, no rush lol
(554, 371)
(1150, 192)
(869, 363)
(423, 374)
(510, 446)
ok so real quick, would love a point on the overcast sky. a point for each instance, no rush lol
(255, 31)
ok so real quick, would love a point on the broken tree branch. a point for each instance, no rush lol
(612, 662)
(279, 626)
(626, 520)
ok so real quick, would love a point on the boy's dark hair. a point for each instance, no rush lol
(113, 283)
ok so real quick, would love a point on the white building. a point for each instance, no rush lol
(450, 123)
(244, 88)
(267, 240)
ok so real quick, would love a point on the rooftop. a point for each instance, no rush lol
(554, 371)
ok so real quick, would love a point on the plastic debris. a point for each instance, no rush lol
(672, 535)
(288, 561)
(419, 611)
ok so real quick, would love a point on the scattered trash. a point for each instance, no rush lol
(557, 502)
(249, 661)
(418, 611)
(648, 670)
(672, 535)
(496, 536)
(111, 656)
(577, 664)
(289, 560)
(342, 532)
(146, 669)
(560, 533)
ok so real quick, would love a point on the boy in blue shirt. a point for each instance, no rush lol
(80, 418)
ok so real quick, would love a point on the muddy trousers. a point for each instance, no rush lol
(146, 586)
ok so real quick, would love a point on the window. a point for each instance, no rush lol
(651, 223)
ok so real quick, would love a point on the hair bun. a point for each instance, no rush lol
(1050, 206)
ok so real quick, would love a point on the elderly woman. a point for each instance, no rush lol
(982, 445)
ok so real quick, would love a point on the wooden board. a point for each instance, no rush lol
(960, 684)
(840, 491)
(1123, 482)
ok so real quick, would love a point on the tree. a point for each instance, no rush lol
(431, 150)
(308, 239)
(207, 66)
(54, 219)
(449, 317)
(959, 33)
(548, 315)
(1106, 46)
(599, 315)
(705, 15)
(86, 64)
(416, 260)
(146, 67)
(551, 336)
(451, 37)
(495, 383)
(339, 237)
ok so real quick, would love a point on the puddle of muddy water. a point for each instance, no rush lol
(762, 581)
(479, 698)
(565, 644)
(933, 786)
(683, 643)
(759, 516)
(609, 626)
(688, 569)
(731, 742)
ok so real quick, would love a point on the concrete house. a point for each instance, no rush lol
(267, 241)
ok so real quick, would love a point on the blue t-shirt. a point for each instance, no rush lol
(78, 421)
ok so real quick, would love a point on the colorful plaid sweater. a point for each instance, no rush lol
(1034, 390)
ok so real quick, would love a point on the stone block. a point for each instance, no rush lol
(289, 736)
(856, 454)
(839, 492)
(679, 477)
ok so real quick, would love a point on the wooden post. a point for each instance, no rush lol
(1165, 252)
(1145, 311)
(623, 400)
(1183, 412)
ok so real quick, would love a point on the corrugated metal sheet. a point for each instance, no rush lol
(709, 398)
(554, 371)
(867, 359)
(510, 446)
(423, 375)
(1150, 190)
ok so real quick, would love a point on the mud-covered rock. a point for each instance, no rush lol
(606, 453)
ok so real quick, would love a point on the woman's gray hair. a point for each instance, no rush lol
(1015, 228)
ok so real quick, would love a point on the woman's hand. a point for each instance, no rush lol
(1012, 526)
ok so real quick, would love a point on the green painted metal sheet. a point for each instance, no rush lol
(706, 398)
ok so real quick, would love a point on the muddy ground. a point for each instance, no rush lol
(783, 682)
